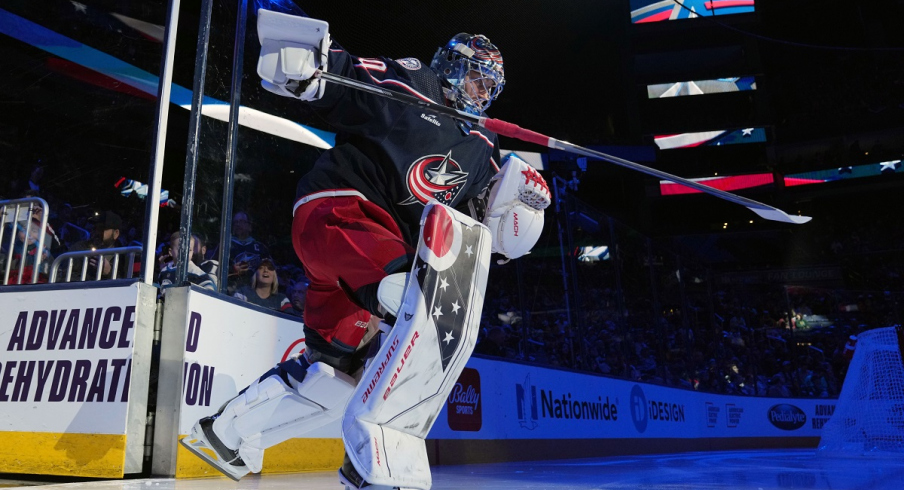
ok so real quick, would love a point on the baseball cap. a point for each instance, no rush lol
(267, 260)
(107, 220)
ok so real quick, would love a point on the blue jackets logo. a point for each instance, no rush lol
(435, 177)
(787, 417)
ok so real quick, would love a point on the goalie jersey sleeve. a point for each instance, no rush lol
(397, 156)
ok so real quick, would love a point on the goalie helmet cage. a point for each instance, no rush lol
(869, 417)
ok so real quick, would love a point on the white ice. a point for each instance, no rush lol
(736, 470)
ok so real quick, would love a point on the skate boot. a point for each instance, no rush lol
(205, 444)
(349, 477)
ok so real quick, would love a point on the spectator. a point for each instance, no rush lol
(200, 272)
(244, 252)
(298, 294)
(777, 387)
(849, 348)
(103, 236)
(51, 240)
(264, 288)
(20, 188)
(493, 344)
(30, 255)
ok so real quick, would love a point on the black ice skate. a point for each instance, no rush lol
(349, 477)
(205, 444)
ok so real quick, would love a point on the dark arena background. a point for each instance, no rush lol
(655, 338)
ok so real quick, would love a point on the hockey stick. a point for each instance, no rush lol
(514, 131)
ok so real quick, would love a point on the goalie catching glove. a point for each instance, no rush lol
(292, 50)
(512, 208)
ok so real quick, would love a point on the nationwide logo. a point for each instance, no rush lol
(643, 411)
(463, 405)
(526, 395)
(436, 177)
(562, 406)
(787, 417)
(712, 414)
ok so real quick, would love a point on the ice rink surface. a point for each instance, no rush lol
(736, 470)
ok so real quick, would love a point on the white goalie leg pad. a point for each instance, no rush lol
(407, 383)
(270, 412)
(514, 215)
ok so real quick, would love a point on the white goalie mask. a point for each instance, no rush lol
(473, 66)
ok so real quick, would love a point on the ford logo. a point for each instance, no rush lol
(787, 417)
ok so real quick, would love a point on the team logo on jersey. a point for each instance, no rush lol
(436, 177)
(410, 63)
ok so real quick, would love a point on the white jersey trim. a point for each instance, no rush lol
(481, 135)
(320, 195)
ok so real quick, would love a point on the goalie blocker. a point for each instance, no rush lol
(406, 384)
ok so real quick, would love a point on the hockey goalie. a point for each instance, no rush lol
(395, 227)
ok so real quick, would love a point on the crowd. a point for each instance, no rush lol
(775, 341)
(253, 276)
(770, 340)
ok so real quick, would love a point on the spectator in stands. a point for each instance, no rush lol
(201, 272)
(20, 187)
(27, 237)
(51, 240)
(493, 344)
(849, 348)
(244, 252)
(106, 231)
(777, 387)
(264, 288)
(298, 294)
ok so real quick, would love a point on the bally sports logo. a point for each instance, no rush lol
(463, 406)
(787, 417)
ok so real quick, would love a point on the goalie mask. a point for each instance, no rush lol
(473, 66)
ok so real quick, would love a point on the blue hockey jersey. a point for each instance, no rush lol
(395, 155)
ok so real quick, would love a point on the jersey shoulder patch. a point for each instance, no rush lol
(412, 64)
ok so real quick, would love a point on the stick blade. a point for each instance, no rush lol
(774, 214)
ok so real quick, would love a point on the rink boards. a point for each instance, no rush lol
(508, 411)
(498, 411)
(88, 417)
(74, 379)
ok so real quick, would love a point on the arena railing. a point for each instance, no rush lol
(14, 213)
(86, 255)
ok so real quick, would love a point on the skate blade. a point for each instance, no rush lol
(350, 485)
(198, 446)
